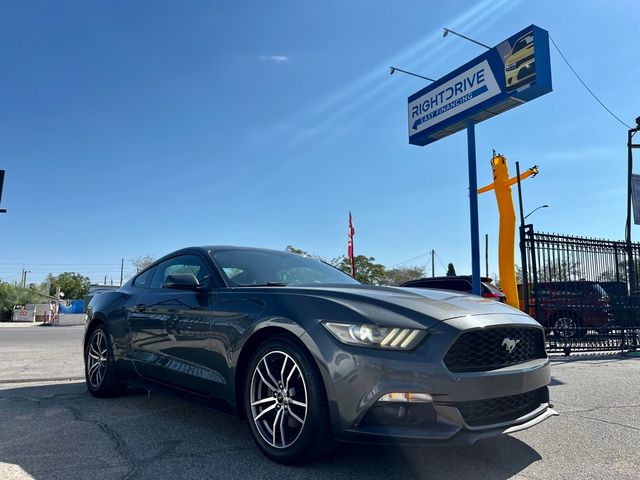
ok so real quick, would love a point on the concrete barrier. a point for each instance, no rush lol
(67, 319)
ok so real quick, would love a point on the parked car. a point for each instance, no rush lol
(459, 283)
(625, 307)
(308, 355)
(571, 308)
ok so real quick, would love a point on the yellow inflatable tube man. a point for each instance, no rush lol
(506, 239)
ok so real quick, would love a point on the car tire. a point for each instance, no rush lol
(568, 326)
(99, 366)
(285, 403)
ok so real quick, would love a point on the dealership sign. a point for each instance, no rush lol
(514, 72)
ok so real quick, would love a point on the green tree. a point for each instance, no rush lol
(519, 274)
(74, 285)
(560, 270)
(367, 270)
(11, 295)
(451, 271)
(397, 276)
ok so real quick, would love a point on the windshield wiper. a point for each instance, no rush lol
(266, 284)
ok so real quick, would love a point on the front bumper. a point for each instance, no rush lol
(442, 436)
(356, 377)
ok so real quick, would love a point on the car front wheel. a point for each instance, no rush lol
(285, 403)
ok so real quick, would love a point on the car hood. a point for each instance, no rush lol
(409, 307)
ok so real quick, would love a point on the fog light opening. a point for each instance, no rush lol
(406, 397)
(401, 409)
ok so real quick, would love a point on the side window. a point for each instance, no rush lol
(182, 264)
(463, 286)
(143, 280)
(433, 284)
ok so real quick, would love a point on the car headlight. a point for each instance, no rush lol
(511, 66)
(370, 335)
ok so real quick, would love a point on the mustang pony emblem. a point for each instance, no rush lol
(509, 344)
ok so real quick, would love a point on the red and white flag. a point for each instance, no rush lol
(352, 232)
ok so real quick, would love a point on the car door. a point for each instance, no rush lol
(170, 330)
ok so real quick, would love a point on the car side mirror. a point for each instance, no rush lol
(182, 281)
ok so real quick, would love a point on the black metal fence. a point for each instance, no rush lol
(584, 291)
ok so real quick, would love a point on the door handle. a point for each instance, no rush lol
(141, 307)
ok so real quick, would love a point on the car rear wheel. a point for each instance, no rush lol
(100, 372)
(285, 403)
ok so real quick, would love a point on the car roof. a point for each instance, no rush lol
(450, 277)
(217, 248)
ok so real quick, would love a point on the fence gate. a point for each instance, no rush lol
(584, 291)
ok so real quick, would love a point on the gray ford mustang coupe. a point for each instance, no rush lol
(310, 356)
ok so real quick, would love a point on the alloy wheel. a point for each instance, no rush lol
(565, 326)
(97, 355)
(278, 399)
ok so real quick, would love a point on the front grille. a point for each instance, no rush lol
(492, 348)
(504, 409)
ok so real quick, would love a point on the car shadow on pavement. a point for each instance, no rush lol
(59, 431)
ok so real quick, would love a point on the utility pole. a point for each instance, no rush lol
(57, 308)
(105, 280)
(523, 253)
(486, 255)
(121, 270)
(433, 265)
(630, 264)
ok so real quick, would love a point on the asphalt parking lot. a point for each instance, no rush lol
(52, 428)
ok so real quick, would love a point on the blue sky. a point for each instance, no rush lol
(134, 128)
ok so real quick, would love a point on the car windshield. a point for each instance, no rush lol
(492, 288)
(522, 43)
(271, 268)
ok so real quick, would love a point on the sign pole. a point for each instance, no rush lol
(2, 210)
(513, 72)
(473, 209)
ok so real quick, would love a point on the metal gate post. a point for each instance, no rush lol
(534, 269)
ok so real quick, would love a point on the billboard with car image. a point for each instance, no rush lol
(513, 72)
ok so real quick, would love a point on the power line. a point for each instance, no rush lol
(440, 260)
(414, 258)
(585, 85)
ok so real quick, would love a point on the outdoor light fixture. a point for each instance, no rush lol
(638, 122)
(447, 31)
(393, 70)
(535, 210)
